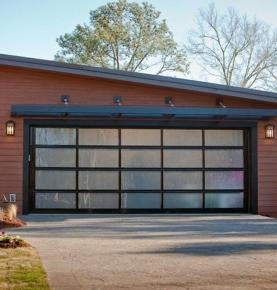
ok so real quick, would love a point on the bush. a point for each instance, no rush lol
(11, 242)
(10, 212)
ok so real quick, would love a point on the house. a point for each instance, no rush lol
(76, 138)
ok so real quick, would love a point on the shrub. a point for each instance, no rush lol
(10, 212)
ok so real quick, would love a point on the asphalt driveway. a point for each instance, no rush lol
(211, 252)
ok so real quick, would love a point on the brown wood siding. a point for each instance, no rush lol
(267, 169)
(20, 86)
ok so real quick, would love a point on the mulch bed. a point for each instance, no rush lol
(11, 224)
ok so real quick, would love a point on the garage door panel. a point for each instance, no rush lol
(55, 136)
(224, 179)
(141, 180)
(55, 179)
(182, 180)
(102, 180)
(224, 158)
(223, 137)
(55, 157)
(98, 200)
(174, 158)
(96, 136)
(143, 137)
(141, 158)
(224, 200)
(98, 158)
(141, 200)
(182, 137)
(183, 200)
(53, 200)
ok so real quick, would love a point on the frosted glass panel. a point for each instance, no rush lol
(98, 180)
(224, 158)
(98, 158)
(140, 158)
(224, 179)
(224, 200)
(98, 136)
(98, 200)
(181, 137)
(55, 157)
(183, 180)
(141, 200)
(55, 200)
(182, 158)
(140, 137)
(223, 137)
(141, 180)
(55, 179)
(55, 136)
(183, 200)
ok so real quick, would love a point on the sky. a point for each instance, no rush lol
(30, 27)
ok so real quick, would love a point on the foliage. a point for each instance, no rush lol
(124, 36)
(234, 49)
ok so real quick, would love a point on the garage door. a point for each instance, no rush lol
(137, 169)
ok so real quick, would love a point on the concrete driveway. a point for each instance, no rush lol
(214, 252)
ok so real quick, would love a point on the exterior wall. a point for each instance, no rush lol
(19, 86)
(267, 172)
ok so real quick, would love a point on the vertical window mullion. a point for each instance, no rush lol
(77, 168)
(162, 171)
(119, 170)
(203, 169)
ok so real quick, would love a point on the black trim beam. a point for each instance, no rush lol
(139, 111)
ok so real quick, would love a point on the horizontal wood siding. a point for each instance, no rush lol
(267, 169)
(21, 86)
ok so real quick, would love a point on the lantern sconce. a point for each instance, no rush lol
(10, 128)
(269, 131)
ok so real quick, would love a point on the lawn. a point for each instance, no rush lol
(21, 269)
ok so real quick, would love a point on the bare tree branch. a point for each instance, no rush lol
(241, 51)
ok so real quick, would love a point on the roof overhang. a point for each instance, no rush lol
(137, 78)
(142, 112)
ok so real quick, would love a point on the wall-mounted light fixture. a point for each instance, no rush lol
(269, 131)
(169, 101)
(65, 99)
(117, 100)
(220, 103)
(10, 128)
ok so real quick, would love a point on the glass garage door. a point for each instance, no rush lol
(135, 169)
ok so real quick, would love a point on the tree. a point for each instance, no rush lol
(234, 49)
(124, 36)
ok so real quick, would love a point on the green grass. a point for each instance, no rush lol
(21, 269)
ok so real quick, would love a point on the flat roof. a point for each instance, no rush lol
(136, 78)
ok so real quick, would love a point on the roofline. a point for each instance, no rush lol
(137, 78)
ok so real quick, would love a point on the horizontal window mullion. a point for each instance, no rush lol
(141, 191)
(98, 191)
(136, 147)
(224, 169)
(53, 146)
(55, 190)
(224, 191)
(57, 168)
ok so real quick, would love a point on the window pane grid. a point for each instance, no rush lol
(165, 167)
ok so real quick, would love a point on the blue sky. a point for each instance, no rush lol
(30, 27)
